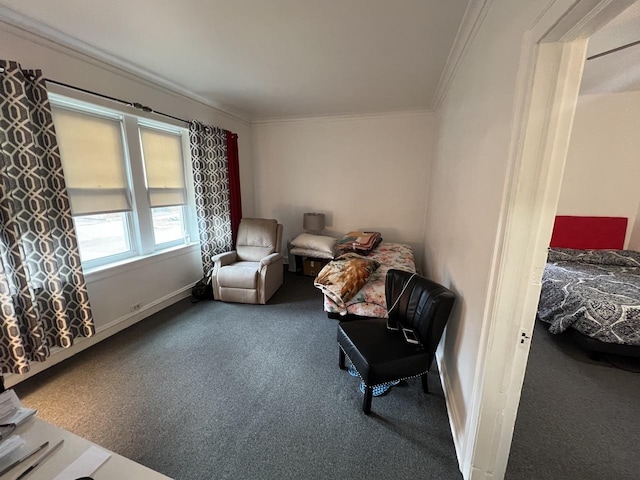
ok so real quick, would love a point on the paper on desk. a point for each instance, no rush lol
(85, 464)
(9, 445)
(11, 450)
(12, 410)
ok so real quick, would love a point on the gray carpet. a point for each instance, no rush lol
(578, 418)
(214, 390)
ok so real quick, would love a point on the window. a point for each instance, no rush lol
(162, 152)
(102, 235)
(125, 177)
(168, 224)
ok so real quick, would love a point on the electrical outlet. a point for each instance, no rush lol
(135, 307)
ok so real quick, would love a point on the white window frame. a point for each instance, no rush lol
(139, 222)
(184, 137)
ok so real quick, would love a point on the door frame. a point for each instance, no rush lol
(548, 83)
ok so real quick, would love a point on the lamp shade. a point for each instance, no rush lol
(313, 222)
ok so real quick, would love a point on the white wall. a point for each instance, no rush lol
(367, 172)
(602, 172)
(467, 186)
(156, 281)
(634, 233)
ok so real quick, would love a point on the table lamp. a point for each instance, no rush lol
(313, 223)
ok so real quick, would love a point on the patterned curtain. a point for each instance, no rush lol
(211, 186)
(43, 295)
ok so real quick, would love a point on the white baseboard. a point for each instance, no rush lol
(79, 344)
(455, 419)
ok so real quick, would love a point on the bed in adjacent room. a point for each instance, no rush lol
(593, 292)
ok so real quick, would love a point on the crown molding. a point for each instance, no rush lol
(50, 37)
(473, 17)
(343, 116)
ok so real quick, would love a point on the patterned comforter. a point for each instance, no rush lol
(596, 292)
(370, 300)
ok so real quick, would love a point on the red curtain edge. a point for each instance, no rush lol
(235, 198)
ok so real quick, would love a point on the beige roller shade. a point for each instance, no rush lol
(93, 162)
(162, 152)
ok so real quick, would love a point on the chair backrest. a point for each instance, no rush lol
(424, 307)
(257, 238)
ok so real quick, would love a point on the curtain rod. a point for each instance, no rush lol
(136, 105)
(613, 50)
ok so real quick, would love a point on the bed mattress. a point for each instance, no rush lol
(596, 292)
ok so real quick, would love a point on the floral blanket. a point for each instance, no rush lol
(341, 278)
(597, 292)
(370, 300)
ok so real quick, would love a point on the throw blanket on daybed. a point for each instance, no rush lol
(358, 242)
(596, 292)
(370, 300)
(341, 278)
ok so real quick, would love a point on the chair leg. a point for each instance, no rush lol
(341, 359)
(425, 383)
(366, 402)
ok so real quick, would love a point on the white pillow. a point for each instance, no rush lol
(314, 242)
(303, 252)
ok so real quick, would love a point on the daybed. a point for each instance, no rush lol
(370, 300)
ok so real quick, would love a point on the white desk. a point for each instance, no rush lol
(36, 431)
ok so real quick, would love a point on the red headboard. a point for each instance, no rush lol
(589, 232)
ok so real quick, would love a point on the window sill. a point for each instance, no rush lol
(117, 268)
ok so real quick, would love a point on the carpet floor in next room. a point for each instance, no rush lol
(214, 390)
(578, 418)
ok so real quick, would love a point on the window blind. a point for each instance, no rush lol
(93, 162)
(162, 152)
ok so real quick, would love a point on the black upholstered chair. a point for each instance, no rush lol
(377, 347)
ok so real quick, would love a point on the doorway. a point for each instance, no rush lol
(577, 417)
(551, 69)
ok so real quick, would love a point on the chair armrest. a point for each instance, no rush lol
(219, 261)
(226, 258)
(269, 259)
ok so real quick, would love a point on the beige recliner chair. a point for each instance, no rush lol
(254, 270)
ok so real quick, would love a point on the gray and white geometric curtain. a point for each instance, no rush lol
(43, 295)
(211, 184)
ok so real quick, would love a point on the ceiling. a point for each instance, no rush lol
(619, 71)
(276, 58)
